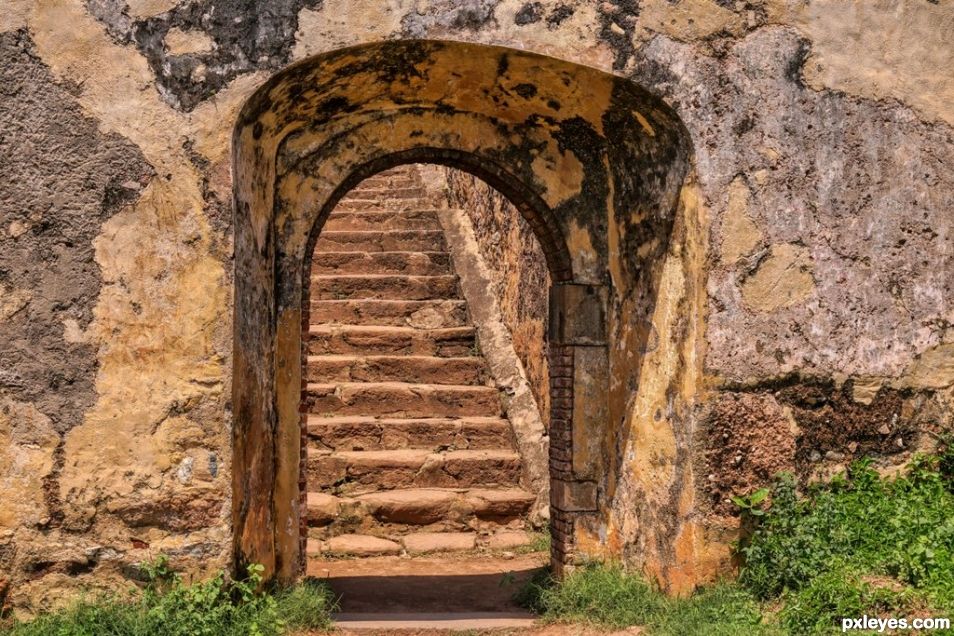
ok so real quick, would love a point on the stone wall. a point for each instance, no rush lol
(821, 132)
(518, 270)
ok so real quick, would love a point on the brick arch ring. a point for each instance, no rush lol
(594, 162)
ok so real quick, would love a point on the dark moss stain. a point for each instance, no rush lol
(249, 35)
(395, 61)
(529, 13)
(579, 137)
(793, 70)
(560, 13)
(525, 90)
(503, 65)
(656, 165)
(617, 24)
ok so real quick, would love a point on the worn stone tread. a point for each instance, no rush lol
(389, 263)
(414, 219)
(397, 368)
(427, 542)
(403, 399)
(372, 312)
(351, 472)
(382, 241)
(359, 545)
(384, 286)
(382, 340)
(414, 507)
(369, 433)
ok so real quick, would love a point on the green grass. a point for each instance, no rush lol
(606, 595)
(858, 545)
(169, 607)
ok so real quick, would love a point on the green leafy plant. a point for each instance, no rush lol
(820, 552)
(752, 504)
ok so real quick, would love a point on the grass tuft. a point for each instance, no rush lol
(170, 607)
(608, 596)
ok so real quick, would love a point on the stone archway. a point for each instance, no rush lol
(593, 162)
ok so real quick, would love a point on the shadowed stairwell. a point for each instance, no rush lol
(415, 495)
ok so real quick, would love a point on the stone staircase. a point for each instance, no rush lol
(409, 449)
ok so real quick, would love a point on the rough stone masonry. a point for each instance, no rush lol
(820, 134)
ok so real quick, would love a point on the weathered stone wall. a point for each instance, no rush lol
(821, 130)
(519, 272)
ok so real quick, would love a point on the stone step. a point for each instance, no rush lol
(371, 202)
(415, 507)
(383, 287)
(382, 340)
(357, 472)
(387, 181)
(402, 399)
(418, 369)
(377, 220)
(354, 545)
(430, 542)
(415, 543)
(368, 433)
(411, 263)
(382, 241)
(423, 314)
(364, 190)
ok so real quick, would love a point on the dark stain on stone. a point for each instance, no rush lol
(747, 430)
(793, 70)
(331, 107)
(525, 90)
(249, 35)
(503, 65)
(744, 125)
(616, 29)
(529, 13)
(831, 424)
(559, 14)
(55, 204)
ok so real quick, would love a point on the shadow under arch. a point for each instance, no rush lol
(594, 162)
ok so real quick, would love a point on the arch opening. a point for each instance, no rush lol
(594, 163)
(425, 395)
